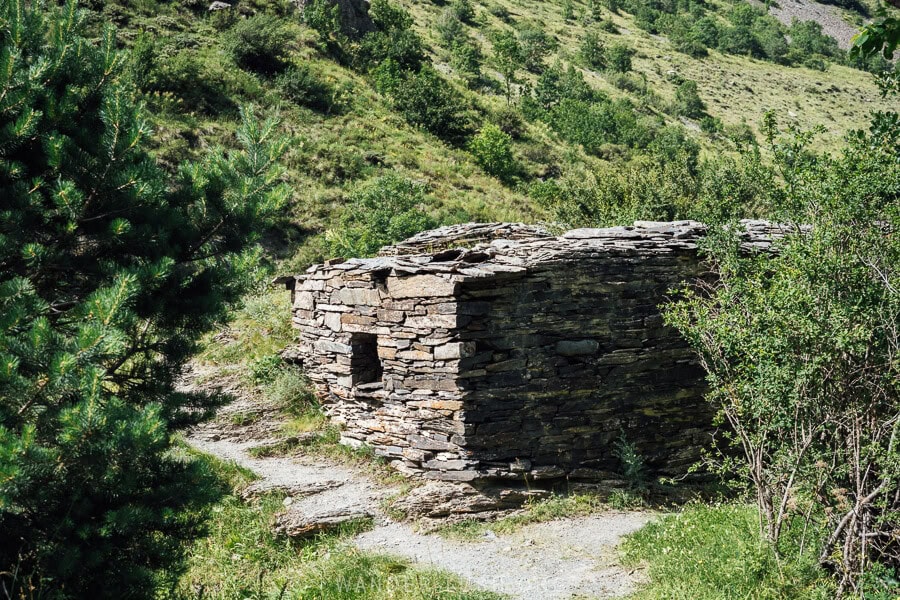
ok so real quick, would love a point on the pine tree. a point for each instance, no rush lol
(109, 270)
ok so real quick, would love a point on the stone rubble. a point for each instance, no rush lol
(498, 352)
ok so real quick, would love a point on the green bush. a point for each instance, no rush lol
(393, 39)
(618, 58)
(592, 51)
(463, 10)
(427, 100)
(535, 46)
(509, 120)
(594, 124)
(324, 17)
(466, 58)
(259, 43)
(450, 28)
(688, 102)
(800, 350)
(508, 58)
(554, 84)
(492, 150)
(381, 212)
(769, 35)
(302, 85)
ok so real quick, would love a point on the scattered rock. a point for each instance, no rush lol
(437, 499)
(295, 524)
(292, 491)
(215, 6)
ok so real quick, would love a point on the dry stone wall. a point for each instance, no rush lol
(525, 357)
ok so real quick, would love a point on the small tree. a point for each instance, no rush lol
(507, 58)
(593, 51)
(535, 45)
(492, 150)
(801, 349)
(618, 58)
(109, 270)
(688, 102)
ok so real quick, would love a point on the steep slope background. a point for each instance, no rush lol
(346, 133)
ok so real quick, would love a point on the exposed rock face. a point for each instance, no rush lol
(518, 359)
(355, 19)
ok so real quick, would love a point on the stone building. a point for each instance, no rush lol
(484, 352)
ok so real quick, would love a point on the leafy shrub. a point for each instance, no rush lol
(630, 82)
(324, 17)
(426, 100)
(450, 28)
(264, 368)
(509, 120)
(608, 26)
(466, 58)
(741, 134)
(592, 50)
(646, 18)
(259, 43)
(632, 463)
(800, 347)
(535, 45)
(499, 11)
(463, 10)
(381, 212)
(618, 58)
(684, 38)
(554, 84)
(492, 150)
(593, 124)
(688, 102)
(672, 144)
(808, 42)
(769, 36)
(301, 85)
(711, 126)
(393, 40)
(706, 32)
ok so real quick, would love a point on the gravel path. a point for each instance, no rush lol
(552, 560)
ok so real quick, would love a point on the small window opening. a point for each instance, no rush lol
(365, 365)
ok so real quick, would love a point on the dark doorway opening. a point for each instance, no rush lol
(365, 366)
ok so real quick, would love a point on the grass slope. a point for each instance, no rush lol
(360, 137)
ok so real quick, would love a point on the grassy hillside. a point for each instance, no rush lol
(345, 132)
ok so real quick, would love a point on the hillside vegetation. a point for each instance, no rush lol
(662, 94)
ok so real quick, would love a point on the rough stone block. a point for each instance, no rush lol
(304, 300)
(454, 350)
(356, 296)
(577, 347)
(420, 286)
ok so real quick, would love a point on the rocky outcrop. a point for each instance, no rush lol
(521, 358)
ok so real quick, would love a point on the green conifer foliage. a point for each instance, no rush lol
(109, 270)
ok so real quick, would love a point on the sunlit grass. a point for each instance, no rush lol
(715, 552)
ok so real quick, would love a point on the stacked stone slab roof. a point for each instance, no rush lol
(499, 351)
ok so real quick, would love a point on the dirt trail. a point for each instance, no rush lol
(552, 560)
